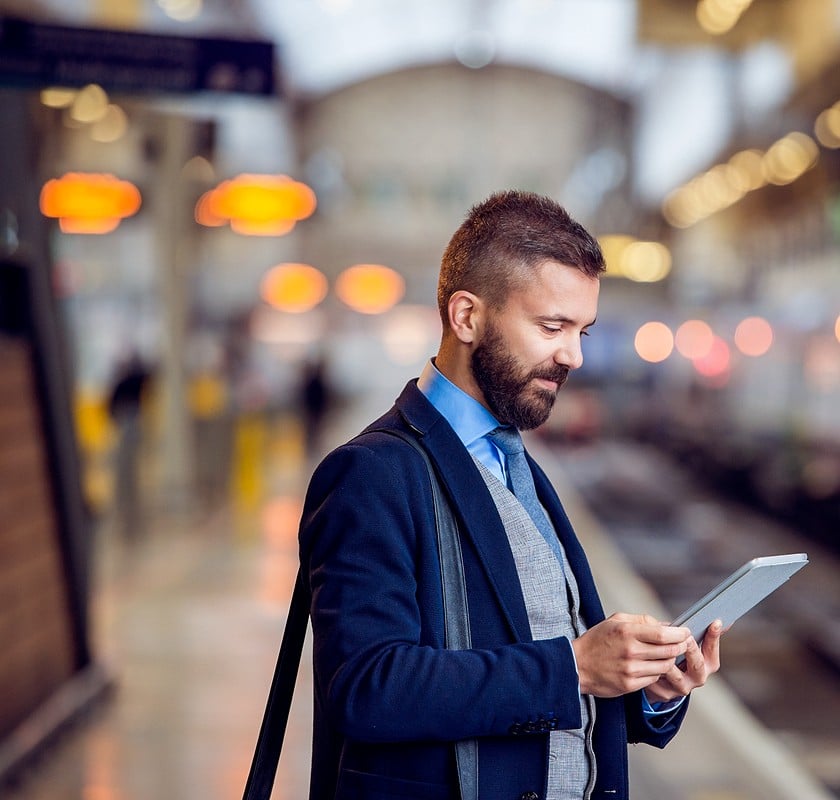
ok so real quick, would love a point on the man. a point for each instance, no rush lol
(549, 690)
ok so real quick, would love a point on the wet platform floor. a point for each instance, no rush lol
(188, 620)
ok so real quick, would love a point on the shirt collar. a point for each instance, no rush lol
(468, 418)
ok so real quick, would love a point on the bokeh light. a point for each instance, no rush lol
(294, 288)
(827, 127)
(256, 205)
(694, 339)
(89, 104)
(715, 364)
(646, 262)
(789, 158)
(88, 202)
(627, 257)
(754, 336)
(370, 288)
(654, 342)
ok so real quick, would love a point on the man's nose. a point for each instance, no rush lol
(570, 354)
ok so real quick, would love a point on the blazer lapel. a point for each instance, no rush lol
(477, 514)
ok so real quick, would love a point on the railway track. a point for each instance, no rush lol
(683, 537)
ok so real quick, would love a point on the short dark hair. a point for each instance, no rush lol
(505, 235)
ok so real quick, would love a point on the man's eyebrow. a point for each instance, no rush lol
(564, 318)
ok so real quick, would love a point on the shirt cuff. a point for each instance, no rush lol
(652, 709)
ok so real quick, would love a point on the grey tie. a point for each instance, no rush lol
(509, 442)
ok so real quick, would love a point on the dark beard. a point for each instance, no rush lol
(506, 390)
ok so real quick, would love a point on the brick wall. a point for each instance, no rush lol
(36, 639)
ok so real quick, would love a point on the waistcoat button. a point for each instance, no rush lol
(529, 796)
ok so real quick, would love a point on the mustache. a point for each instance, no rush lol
(558, 375)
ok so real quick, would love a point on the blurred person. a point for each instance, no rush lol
(125, 405)
(314, 401)
(550, 691)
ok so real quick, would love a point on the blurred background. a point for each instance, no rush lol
(220, 228)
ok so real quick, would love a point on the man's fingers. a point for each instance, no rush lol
(710, 651)
(695, 661)
(662, 634)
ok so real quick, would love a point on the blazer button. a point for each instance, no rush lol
(529, 796)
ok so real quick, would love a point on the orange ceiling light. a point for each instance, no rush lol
(295, 288)
(370, 288)
(256, 205)
(89, 203)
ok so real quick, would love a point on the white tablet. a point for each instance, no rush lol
(743, 589)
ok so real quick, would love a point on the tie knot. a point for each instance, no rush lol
(507, 440)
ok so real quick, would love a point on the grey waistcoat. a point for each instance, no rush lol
(551, 600)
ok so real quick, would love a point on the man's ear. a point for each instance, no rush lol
(466, 312)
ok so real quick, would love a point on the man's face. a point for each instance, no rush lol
(527, 348)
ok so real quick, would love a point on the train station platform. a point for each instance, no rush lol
(188, 618)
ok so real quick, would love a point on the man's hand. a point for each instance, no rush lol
(700, 663)
(628, 652)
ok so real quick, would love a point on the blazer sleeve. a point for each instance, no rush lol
(657, 730)
(367, 536)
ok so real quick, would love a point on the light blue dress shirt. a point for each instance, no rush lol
(471, 421)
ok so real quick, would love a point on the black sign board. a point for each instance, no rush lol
(36, 55)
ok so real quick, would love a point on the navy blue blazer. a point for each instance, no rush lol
(389, 698)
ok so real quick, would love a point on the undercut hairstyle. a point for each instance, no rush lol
(502, 241)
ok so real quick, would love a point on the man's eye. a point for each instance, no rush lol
(551, 329)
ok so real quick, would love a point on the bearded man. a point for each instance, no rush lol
(548, 692)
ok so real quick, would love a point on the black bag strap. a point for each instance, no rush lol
(457, 636)
(276, 716)
(455, 610)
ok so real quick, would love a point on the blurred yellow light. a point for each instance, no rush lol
(737, 178)
(654, 342)
(733, 184)
(294, 287)
(181, 10)
(90, 104)
(111, 127)
(714, 189)
(370, 288)
(789, 158)
(57, 97)
(646, 262)
(694, 339)
(261, 205)
(747, 165)
(716, 362)
(719, 16)
(679, 209)
(89, 203)
(827, 127)
(754, 336)
(613, 247)
(712, 20)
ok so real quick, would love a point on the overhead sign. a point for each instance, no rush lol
(36, 55)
